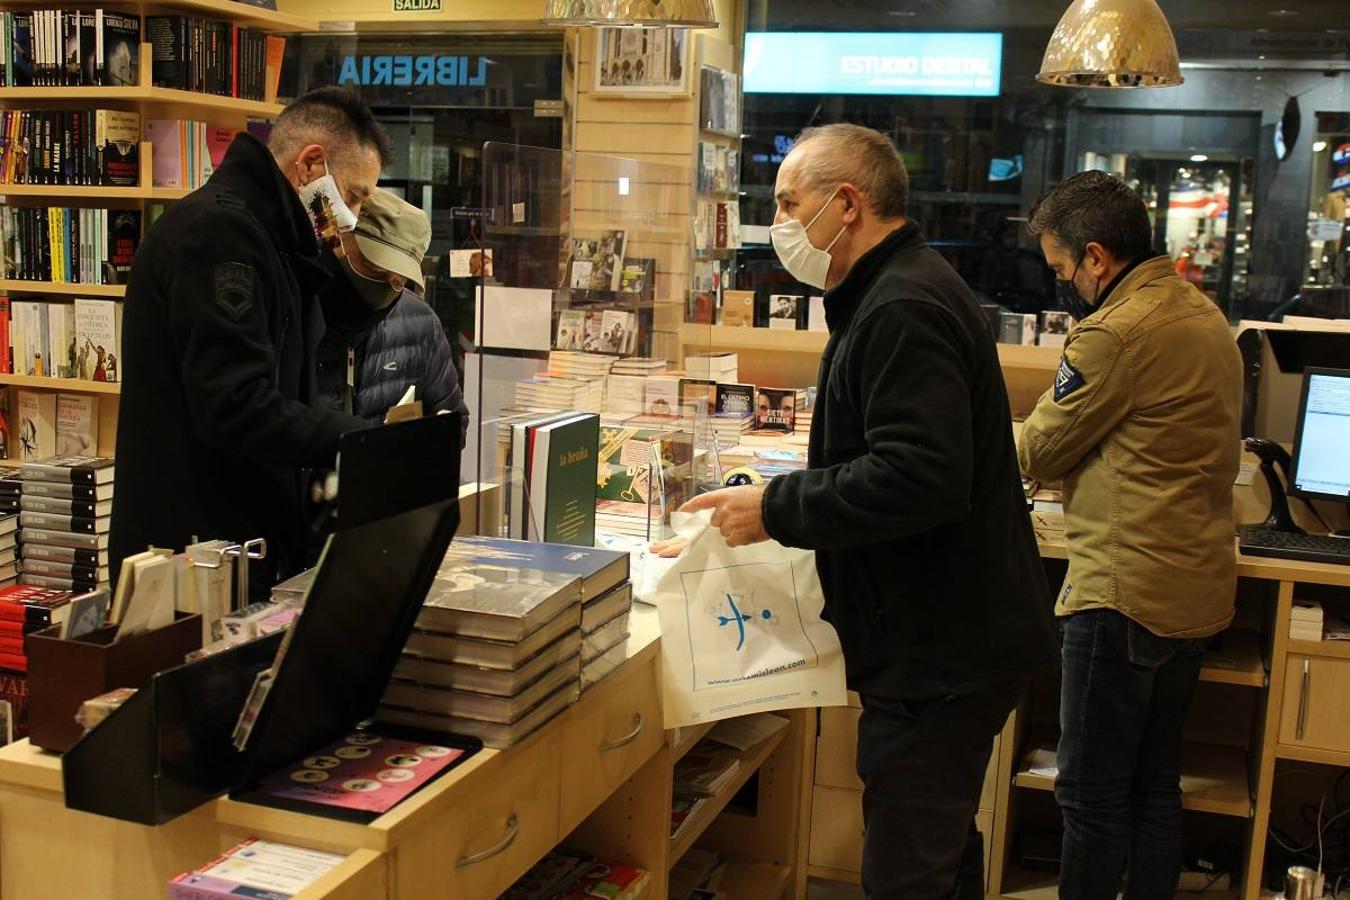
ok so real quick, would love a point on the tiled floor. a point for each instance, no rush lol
(833, 890)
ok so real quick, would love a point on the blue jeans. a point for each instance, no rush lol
(1123, 703)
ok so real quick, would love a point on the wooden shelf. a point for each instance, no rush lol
(1320, 649)
(1242, 648)
(1027, 884)
(1213, 780)
(686, 738)
(753, 881)
(735, 337)
(237, 12)
(696, 824)
(142, 94)
(73, 385)
(74, 290)
(87, 192)
(1339, 758)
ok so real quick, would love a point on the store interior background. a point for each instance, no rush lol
(1237, 216)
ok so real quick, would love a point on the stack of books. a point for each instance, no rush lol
(24, 610)
(719, 367)
(566, 874)
(255, 868)
(723, 429)
(638, 365)
(9, 549)
(11, 489)
(1305, 621)
(497, 650)
(575, 364)
(553, 392)
(65, 545)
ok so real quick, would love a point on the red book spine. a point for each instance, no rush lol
(14, 662)
(6, 358)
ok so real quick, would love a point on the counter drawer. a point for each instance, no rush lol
(1314, 712)
(615, 729)
(507, 821)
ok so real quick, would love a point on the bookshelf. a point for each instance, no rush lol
(15, 286)
(71, 385)
(151, 102)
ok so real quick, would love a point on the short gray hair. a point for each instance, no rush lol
(860, 156)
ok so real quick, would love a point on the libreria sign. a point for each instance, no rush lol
(927, 64)
(413, 71)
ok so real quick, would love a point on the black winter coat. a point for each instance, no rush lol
(405, 346)
(912, 498)
(219, 332)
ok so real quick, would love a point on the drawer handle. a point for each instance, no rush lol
(1303, 700)
(512, 829)
(628, 738)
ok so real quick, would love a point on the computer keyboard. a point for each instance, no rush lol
(1310, 547)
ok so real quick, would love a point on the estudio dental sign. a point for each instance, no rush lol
(949, 64)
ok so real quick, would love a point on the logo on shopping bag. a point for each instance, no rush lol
(740, 615)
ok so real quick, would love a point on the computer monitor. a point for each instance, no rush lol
(1322, 444)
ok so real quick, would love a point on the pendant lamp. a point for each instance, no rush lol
(1112, 44)
(649, 13)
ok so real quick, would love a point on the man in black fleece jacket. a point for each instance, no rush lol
(914, 506)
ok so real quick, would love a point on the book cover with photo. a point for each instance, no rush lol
(776, 410)
(571, 330)
(638, 278)
(786, 312)
(735, 399)
(97, 340)
(597, 263)
(617, 331)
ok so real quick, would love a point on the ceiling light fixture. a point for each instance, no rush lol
(1319, 146)
(649, 13)
(1199, 157)
(1112, 44)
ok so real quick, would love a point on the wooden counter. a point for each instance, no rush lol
(467, 835)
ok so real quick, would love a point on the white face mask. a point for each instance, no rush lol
(327, 210)
(804, 261)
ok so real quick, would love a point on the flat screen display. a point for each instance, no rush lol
(936, 64)
(1322, 448)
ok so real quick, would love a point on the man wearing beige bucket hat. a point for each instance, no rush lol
(381, 337)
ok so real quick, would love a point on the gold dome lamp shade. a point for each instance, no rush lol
(1112, 44)
(649, 13)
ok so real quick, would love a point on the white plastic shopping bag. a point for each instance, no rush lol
(741, 630)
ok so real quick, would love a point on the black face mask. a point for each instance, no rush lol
(1068, 297)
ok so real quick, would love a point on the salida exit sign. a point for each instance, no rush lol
(417, 5)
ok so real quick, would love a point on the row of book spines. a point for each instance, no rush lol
(67, 245)
(77, 340)
(61, 48)
(73, 147)
(212, 57)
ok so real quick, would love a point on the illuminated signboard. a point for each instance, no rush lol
(922, 64)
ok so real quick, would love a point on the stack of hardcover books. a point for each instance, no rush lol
(24, 610)
(11, 488)
(63, 536)
(9, 551)
(510, 634)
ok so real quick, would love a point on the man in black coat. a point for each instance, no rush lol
(219, 331)
(913, 503)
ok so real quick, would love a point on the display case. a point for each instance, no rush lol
(582, 409)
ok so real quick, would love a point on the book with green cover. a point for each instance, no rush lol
(562, 480)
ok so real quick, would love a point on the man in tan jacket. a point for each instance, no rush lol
(1141, 427)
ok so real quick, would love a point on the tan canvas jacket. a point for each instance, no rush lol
(1142, 427)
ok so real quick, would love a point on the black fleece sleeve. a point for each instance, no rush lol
(218, 308)
(905, 375)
